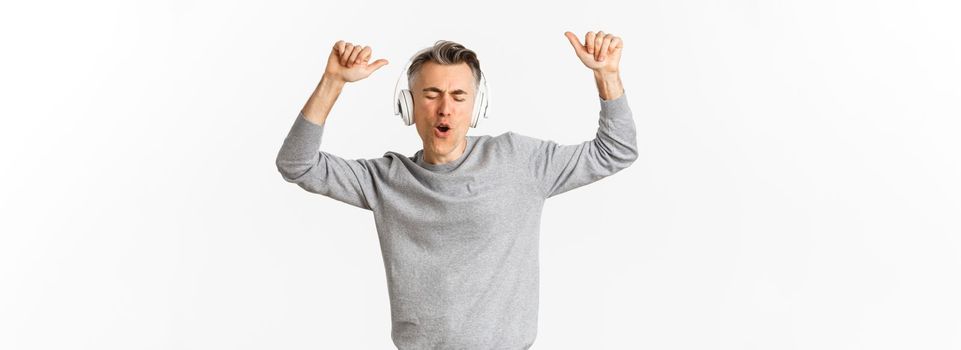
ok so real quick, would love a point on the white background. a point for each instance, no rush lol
(797, 186)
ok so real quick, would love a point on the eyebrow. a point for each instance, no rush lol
(437, 90)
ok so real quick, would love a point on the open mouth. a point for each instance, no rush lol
(442, 130)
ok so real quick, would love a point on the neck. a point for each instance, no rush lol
(431, 156)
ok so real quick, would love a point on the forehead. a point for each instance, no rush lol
(445, 77)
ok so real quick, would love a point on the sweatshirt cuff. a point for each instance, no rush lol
(616, 106)
(305, 130)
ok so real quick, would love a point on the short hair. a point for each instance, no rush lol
(445, 52)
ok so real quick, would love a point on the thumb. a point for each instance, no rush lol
(377, 64)
(578, 48)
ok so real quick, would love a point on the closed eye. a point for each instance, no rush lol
(434, 92)
(435, 97)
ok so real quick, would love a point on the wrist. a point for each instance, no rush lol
(331, 80)
(319, 104)
(608, 84)
(606, 74)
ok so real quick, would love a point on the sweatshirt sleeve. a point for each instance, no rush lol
(300, 162)
(561, 168)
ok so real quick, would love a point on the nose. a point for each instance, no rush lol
(446, 107)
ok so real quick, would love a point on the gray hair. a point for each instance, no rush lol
(445, 52)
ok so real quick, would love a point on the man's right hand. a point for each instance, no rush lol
(348, 62)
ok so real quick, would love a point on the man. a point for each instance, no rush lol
(459, 221)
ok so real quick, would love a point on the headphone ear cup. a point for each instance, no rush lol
(480, 108)
(406, 103)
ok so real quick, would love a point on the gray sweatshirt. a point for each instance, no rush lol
(460, 239)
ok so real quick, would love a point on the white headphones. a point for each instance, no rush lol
(404, 100)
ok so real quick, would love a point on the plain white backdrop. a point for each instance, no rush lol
(797, 186)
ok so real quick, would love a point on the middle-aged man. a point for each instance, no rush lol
(459, 221)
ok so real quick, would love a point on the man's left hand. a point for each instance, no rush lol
(601, 51)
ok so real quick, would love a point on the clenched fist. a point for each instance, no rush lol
(348, 62)
(601, 52)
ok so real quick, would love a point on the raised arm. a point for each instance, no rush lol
(601, 52)
(299, 160)
(346, 63)
(560, 168)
